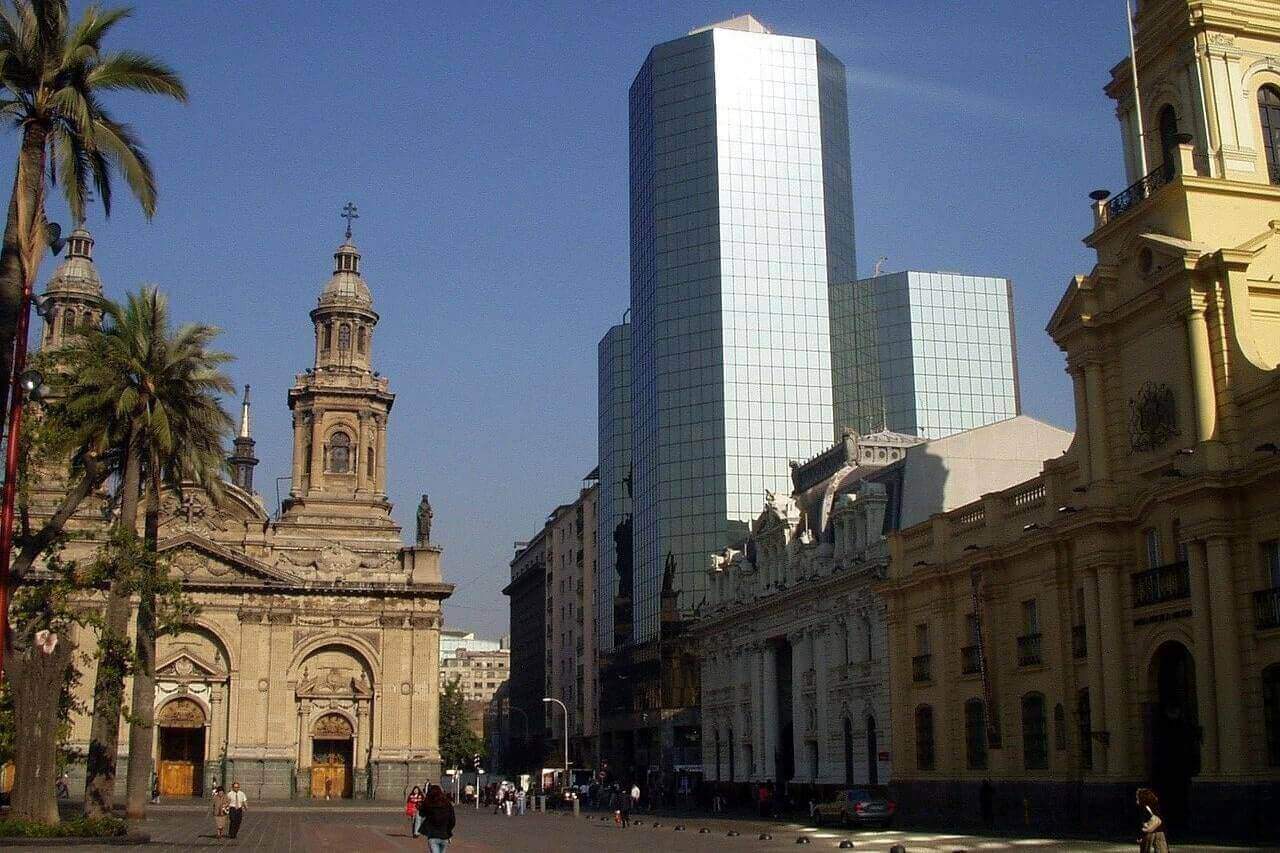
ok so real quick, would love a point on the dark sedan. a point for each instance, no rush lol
(857, 807)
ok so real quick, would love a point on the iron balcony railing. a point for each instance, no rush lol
(920, 667)
(1079, 645)
(1163, 583)
(1029, 650)
(1266, 608)
(970, 660)
(1140, 191)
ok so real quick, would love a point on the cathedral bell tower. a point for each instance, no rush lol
(340, 408)
(73, 297)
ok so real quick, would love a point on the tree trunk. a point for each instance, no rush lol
(113, 644)
(37, 680)
(95, 475)
(142, 720)
(28, 181)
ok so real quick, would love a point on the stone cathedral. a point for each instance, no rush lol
(312, 668)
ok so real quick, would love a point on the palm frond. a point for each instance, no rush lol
(119, 144)
(92, 28)
(135, 71)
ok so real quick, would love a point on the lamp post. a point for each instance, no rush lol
(564, 708)
(21, 382)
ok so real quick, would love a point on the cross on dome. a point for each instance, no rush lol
(349, 214)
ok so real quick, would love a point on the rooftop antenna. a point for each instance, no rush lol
(880, 262)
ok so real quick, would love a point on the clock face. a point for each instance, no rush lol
(1153, 417)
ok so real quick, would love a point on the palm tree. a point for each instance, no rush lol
(53, 76)
(153, 393)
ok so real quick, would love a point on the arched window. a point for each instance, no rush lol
(1271, 712)
(1035, 745)
(328, 336)
(1169, 136)
(344, 338)
(1269, 112)
(362, 340)
(1084, 720)
(1059, 727)
(340, 453)
(68, 323)
(924, 738)
(975, 734)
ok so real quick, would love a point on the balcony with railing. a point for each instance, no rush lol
(970, 660)
(1029, 650)
(1163, 583)
(920, 667)
(1266, 608)
(1079, 645)
(1141, 190)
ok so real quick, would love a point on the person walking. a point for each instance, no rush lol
(411, 810)
(624, 808)
(221, 805)
(520, 801)
(438, 819)
(236, 801)
(1153, 839)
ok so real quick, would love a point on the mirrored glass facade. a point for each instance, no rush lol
(614, 504)
(741, 220)
(947, 354)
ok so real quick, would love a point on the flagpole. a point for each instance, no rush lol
(1137, 97)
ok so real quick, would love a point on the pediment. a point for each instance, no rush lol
(186, 664)
(191, 509)
(195, 559)
(334, 682)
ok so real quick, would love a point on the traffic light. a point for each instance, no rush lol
(476, 762)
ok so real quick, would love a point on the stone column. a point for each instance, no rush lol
(1206, 700)
(822, 700)
(380, 422)
(740, 676)
(1206, 404)
(1094, 663)
(1082, 423)
(1099, 465)
(1226, 654)
(756, 664)
(362, 450)
(1114, 671)
(769, 682)
(317, 450)
(299, 451)
(799, 720)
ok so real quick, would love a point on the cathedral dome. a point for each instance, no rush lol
(346, 287)
(77, 274)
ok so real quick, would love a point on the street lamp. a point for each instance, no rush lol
(564, 708)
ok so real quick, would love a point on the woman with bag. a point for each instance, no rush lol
(1153, 839)
(411, 811)
(221, 807)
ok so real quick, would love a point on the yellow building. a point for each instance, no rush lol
(1116, 621)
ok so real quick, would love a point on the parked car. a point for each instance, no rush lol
(857, 807)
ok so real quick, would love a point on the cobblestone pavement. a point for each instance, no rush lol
(353, 828)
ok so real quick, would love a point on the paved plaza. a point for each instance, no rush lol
(352, 828)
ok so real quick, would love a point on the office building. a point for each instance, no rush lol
(614, 502)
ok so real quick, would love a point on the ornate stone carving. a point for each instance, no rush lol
(181, 714)
(1153, 417)
(425, 515)
(284, 617)
(421, 623)
(332, 727)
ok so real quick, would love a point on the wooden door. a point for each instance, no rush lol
(330, 778)
(177, 778)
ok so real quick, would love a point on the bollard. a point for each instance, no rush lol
(703, 831)
(575, 807)
(846, 844)
(804, 839)
(679, 827)
(897, 848)
(656, 824)
(764, 836)
(733, 833)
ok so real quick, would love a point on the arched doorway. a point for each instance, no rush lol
(1174, 730)
(848, 751)
(180, 727)
(873, 752)
(331, 757)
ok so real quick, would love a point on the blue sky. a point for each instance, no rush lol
(486, 146)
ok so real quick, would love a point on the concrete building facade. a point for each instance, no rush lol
(1114, 621)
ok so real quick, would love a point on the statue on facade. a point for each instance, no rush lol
(425, 515)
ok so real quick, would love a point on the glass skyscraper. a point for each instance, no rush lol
(946, 351)
(742, 279)
(614, 503)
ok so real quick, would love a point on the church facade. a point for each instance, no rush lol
(312, 666)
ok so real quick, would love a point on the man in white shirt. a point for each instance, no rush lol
(236, 800)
